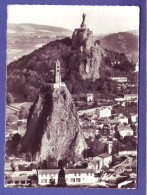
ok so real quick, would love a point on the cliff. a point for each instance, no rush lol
(82, 37)
(87, 63)
(53, 126)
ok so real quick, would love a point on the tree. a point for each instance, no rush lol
(9, 98)
(21, 167)
(33, 178)
(23, 113)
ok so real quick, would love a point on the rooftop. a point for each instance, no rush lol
(67, 171)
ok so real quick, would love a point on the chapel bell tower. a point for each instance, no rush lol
(57, 72)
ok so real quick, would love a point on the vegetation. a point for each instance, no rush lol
(23, 113)
(9, 98)
(12, 144)
(95, 148)
(28, 74)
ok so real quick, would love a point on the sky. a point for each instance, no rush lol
(99, 19)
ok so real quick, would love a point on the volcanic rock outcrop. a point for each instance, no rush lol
(90, 54)
(53, 126)
(82, 38)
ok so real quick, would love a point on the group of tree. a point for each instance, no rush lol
(9, 98)
(11, 145)
(31, 72)
(95, 148)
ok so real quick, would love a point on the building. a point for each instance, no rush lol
(123, 120)
(57, 72)
(57, 77)
(103, 160)
(89, 97)
(120, 79)
(72, 176)
(130, 97)
(103, 112)
(134, 118)
(125, 130)
(93, 165)
(19, 181)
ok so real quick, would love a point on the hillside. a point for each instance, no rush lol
(23, 39)
(122, 42)
(87, 63)
(32, 71)
(36, 28)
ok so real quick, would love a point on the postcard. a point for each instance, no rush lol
(72, 96)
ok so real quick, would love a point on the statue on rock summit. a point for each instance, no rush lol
(83, 22)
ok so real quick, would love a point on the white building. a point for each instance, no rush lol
(103, 160)
(119, 79)
(72, 176)
(130, 97)
(101, 112)
(134, 118)
(104, 112)
(123, 120)
(89, 97)
(19, 181)
(125, 130)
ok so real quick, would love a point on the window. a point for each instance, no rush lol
(22, 182)
(75, 174)
(79, 174)
(16, 182)
(87, 174)
(57, 70)
(43, 180)
(78, 180)
(72, 179)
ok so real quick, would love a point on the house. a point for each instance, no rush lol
(89, 97)
(130, 97)
(134, 117)
(8, 167)
(103, 160)
(72, 176)
(106, 159)
(119, 79)
(123, 120)
(93, 165)
(124, 130)
(103, 111)
(19, 180)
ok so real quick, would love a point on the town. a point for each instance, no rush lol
(109, 127)
(111, 133)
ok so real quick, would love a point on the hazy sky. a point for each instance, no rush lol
(100, 19)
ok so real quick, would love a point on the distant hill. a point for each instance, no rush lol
(22, 39)
(122, 42)
(36, 28)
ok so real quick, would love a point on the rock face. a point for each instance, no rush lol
(87, 62)
(82, 38)
(89, 53)
(53, 126)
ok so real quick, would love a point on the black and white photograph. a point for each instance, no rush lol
(72, 96)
